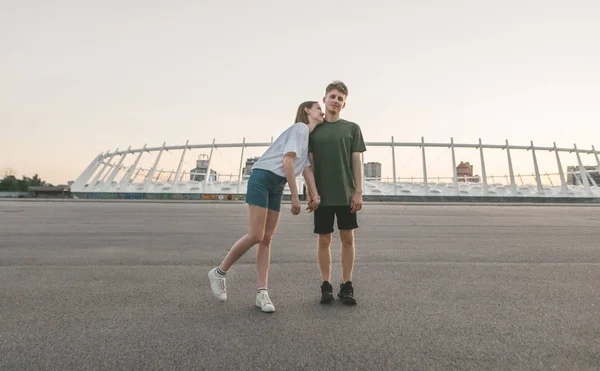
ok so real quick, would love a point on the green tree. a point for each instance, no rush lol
(11, 184)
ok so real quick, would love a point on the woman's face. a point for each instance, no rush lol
(316, 113)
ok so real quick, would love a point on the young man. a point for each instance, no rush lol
(335, 153)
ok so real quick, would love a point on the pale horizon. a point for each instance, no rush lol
(80, 79)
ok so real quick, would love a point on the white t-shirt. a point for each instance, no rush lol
(294, 139)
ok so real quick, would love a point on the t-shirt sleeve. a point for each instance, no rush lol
(358, 144)
(296, 140)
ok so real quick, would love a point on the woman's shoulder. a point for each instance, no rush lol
(301, 127)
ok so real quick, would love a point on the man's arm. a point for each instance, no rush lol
(309, 177)
(356, 203)
(311, 158)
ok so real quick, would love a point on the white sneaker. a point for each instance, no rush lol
(217, 284)
(264, 302)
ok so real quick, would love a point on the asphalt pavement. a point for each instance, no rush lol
(122, 285)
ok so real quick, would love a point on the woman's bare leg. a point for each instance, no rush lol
(263, 253)
(257, 218)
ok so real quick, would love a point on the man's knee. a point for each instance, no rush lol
(324, 241)
(347, 238)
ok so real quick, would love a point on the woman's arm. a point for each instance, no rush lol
(289, 170)
(313, 195)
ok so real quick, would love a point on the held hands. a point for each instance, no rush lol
(356, 202)
(295, 205)
(313, 203)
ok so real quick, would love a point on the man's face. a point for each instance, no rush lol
(334, 101)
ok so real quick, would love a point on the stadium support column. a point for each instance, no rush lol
(81, 181)
(239, 183)
(159, 174)
(362, 169)
(207, 175)
(136, 174)
(513, 185)
(597, 162)
(150, 174)
(127, 177)
(582, 171)
(538, 180)
(105, 176)
(180, 164)
(483, 174)
(393, 166)
(95, 180)
(563, 183)
(113, 175)
(590, 177)
(454, 171)
(425, 185)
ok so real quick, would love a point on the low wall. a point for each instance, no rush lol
(485, 199)
(160, 196)
(14, 194)
(370, 198)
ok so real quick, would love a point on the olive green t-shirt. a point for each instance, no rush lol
(332, 145)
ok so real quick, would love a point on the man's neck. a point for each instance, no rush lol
(330, 117)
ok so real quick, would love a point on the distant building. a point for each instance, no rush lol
(464, 172)
(249, 163)
(61, 191)
(373, 170)
(199, 172)
(574, 175)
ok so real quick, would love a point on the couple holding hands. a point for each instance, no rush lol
(326, 150)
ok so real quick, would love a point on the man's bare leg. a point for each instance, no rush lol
(324, 256)
(347, 254)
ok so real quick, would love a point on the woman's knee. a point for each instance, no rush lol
(256, 237)
(266, 240)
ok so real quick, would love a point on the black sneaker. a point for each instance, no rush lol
(347, 293)
(326, 293)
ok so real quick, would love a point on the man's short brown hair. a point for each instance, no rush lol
(338, 85)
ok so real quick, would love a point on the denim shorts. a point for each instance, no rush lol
(265, 189)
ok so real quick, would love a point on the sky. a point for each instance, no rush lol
(81, 77)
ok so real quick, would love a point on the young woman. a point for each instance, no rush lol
(282, 162)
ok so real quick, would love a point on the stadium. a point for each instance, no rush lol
(401, 171)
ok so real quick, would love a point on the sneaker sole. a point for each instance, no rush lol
(349, 302)
(328, 300)
(265, 311)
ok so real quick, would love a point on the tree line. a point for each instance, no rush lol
(10, 183)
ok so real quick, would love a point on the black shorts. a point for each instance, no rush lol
(324, 217)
